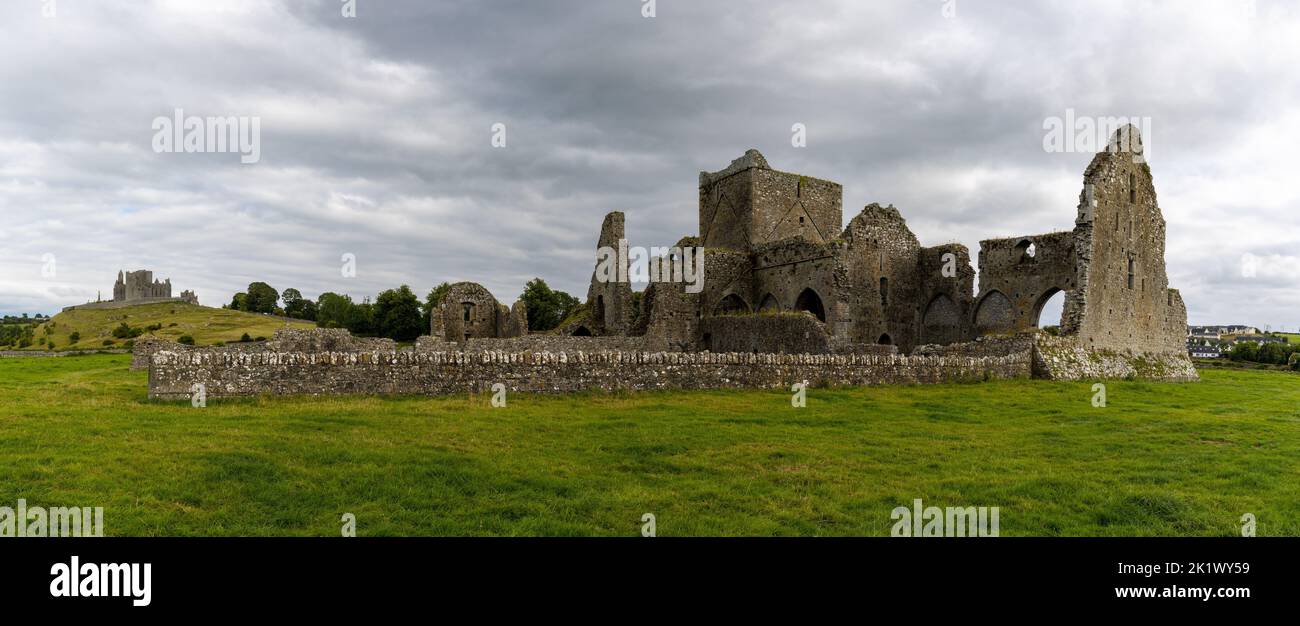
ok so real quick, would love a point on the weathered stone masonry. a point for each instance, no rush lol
(787, 297)
(174, 373)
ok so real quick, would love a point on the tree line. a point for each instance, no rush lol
(397, 314)
(1271, 353)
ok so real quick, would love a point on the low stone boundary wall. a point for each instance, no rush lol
(224, 373)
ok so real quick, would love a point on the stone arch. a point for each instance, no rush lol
(994, 314)
(885, 340)
(809, 301)
(769, 304)
(582, 331)
(941, 323)
(1037, 312)
(731, 304)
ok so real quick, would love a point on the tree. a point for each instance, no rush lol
(298, 307)
(398, 315)
(361, 318)
(332, 310)
(546, 307)
(262, 298)
(239, 302)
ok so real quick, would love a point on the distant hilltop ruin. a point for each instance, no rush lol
(787, 297)
(138, 287)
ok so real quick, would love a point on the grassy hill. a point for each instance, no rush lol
(174, 319)
(1159, 459)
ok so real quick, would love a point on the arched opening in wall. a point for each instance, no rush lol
(884, 340)
(706, 343)
(582, 332)
(994, 314)
(769, 304)
(1028, 251)
(941, 323)
(469, 311)
(731, 305)
(811, 302)
(598, 315)
(1048, 311)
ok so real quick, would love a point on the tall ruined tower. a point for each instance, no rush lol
(749, 203)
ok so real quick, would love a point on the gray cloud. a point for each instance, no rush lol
(376, 130)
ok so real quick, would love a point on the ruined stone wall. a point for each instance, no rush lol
(1070, 358)
(947, 288)
(225, 373)
(798, 275)
(749, 203)
(611, 301)
(770, 333)
(469, 310)
(1018, 275)
(881, 246)
(1126, 302)
(548, 343)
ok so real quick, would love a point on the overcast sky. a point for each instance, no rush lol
(376, 133)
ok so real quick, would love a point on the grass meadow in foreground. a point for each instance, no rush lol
(1160, 459)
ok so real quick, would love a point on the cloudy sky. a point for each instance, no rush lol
(376, 133)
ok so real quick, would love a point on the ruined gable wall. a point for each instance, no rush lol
(611, 302)
(1123, 222)
(878, 244)
(483, 314)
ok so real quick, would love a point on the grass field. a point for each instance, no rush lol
(1158, 460)
(205, 324)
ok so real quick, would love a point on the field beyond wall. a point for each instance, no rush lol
(1159, 459)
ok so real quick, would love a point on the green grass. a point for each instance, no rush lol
(205, 324)
(1161, 459)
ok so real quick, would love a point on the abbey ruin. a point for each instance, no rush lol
(788, 296)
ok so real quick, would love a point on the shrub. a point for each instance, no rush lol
(124, 331)
(153, 327)
(109, 342)
(186, 339)
(245, 338)
(74, 337)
